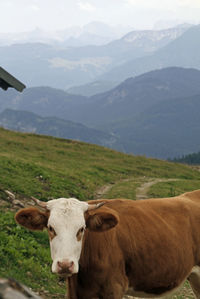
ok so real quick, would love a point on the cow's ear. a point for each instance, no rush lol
(32, 218)
(101, 220)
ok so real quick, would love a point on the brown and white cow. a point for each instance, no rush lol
(143, 248)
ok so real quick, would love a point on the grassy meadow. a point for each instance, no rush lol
(47, 167)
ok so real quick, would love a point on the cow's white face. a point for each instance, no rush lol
(66, 220)
(66, 226)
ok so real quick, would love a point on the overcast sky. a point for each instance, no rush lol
(25, 15)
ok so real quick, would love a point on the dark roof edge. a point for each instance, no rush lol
(11, 81)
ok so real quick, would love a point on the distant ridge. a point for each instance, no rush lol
(93, 88)
(181, 52)
(137, 94)
(24, 121)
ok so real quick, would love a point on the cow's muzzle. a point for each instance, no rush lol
(65, 268)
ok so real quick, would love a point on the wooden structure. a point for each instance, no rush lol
(7, 80)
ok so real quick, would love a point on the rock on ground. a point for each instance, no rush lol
(11, 289)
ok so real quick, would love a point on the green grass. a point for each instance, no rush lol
(46, 168)
(124, 189)
(25, 256)
(174, 188)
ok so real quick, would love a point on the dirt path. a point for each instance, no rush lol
(103, 190)
(142, 191)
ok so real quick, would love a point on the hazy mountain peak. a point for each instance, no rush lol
(155, 35)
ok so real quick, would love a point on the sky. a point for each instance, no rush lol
(52, 15)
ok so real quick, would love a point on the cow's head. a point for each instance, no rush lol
(66, 221)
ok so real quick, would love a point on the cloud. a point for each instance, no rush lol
(132, 2)
(160, 4)
(189, 3)
(51, 15)
(150, 4)
(34, 7)
(86, 6)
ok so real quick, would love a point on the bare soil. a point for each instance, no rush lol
(142, 191)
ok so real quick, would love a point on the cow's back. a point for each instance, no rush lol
(194, 196)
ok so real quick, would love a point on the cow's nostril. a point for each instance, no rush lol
(65, 266)
(72, 264)
(59, 264)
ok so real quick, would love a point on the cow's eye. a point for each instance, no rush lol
(51, 228)
(79, 233)
(81, 229)
(51, 231)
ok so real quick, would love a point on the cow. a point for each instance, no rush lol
(108, 248)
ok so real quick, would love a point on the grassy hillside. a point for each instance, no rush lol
(47, 167)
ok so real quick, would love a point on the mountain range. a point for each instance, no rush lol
(63, 66)
(181, 52)
(155, 114)
(93, 33)
(136, 95)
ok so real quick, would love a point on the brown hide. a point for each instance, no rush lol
(152, 249)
